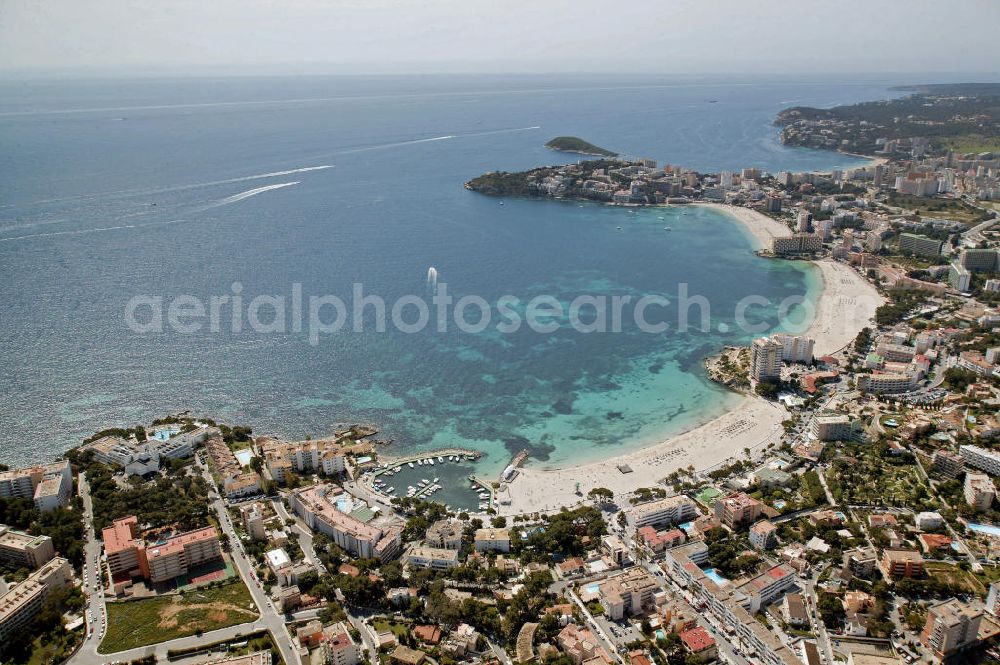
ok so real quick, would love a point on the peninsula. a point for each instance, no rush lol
(933, 120)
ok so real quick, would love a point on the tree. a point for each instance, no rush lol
(600, 494)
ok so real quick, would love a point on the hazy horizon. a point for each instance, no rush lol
(310, 37)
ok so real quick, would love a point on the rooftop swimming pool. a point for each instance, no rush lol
(719, 580)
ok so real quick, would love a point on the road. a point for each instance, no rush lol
(368, 636)
(270, 617)
(818, 627)
(596, 627)
(92, 583)
(88, 654)
(726, 649)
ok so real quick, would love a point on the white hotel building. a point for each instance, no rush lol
(671, 510)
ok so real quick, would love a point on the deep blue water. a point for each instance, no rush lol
(109, 190)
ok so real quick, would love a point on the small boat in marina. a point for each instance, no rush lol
(436, 479)
(420, 462)
(430, 461)
(411, 465)
(440, 459)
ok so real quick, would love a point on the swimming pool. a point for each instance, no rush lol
(661, 634)
(711, 574)
(988, 529)
(244, 456)
(592, 588)
(345, 504)
(165, 433)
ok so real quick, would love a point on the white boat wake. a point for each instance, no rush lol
(68, 233)
(179, 188)
(397, 144)
(236, 198)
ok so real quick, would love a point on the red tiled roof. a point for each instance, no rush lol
(697, 639)
(118, 537)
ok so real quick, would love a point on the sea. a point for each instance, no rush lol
(121, 198)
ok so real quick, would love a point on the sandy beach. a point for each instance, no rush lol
(760, 226)
(846, 304)
(754, 423)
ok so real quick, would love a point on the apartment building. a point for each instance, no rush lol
(979, 491)
(360, 539)
(861, 561)
(435, 558)
(981, 458)
(949, 464)
(763, 535)
(795, 348)
(658, 541)
(181, 553)
(22, 550)
(730, 605)
(797, 243)
(581, 645)
(337, 647)
(24, 600)
(770, 585)
(628, 593)
(446, 533)
(141, 458)
(897, 564)
(737, 510)
(765, 359)
(886, 383)
(129, 556)
(959, 277)
(980, 260)
(951, 628)
(496, 540)
(49, 486)
(832, 427)
(125, 550)
(252, 516)
(323, 457)
(662, 512)
(917, 245)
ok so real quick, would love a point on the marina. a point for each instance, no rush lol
(443, 476)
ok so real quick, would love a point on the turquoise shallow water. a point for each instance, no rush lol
(142, 196)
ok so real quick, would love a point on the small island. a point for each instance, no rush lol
(578, 145)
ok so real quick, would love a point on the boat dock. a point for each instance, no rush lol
(485, 487)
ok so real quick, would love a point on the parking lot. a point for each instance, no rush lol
(620, 632)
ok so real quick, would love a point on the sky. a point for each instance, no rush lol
(542, 36)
